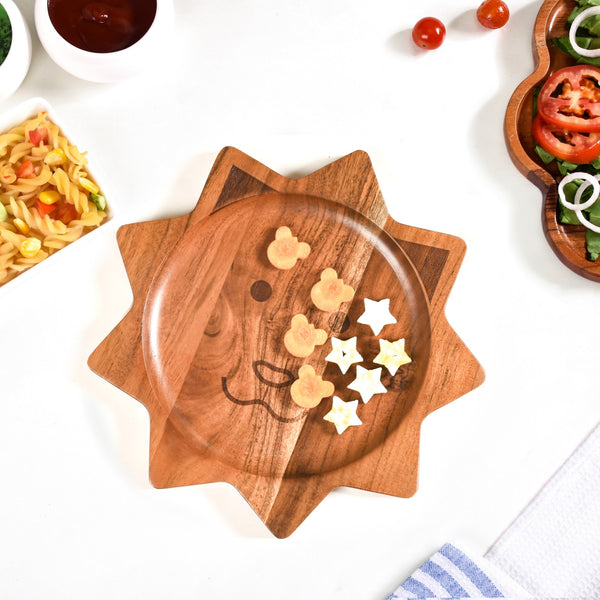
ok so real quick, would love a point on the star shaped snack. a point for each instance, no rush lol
(392, 355)
(344, 353)
(367, 383)
(377, 314)
(343, 414)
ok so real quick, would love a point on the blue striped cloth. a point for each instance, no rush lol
(452, 574)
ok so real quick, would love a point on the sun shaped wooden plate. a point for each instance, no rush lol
(567, 241)
(202, 347)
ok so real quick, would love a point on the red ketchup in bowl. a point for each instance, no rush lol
(103, 26)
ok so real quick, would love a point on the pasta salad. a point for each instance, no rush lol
(47, 197)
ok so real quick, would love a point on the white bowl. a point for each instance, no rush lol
(106, 67)
(22, 112)
(17, 61)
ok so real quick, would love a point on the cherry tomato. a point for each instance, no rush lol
(44, 209)
(26, 170)
(429, 33)
(38, 135)
(493, 14)
(573, 146)
(570, 98)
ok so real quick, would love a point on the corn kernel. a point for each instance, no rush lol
(55, 157)
(49, 197)
(30, 247)
(21, 225)
(88, 185)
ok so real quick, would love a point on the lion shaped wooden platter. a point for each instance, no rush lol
(202, 346)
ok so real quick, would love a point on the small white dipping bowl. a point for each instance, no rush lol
(106, 67)
(17, 61)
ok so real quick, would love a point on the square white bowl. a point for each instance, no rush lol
(26, 110)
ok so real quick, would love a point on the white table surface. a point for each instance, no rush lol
(295, 85)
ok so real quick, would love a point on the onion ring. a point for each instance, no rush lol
(578, 207)
(590, 179)
(582, 16)
(579, 210)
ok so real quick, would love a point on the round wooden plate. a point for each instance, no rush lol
(567, 241)
(202, 347)
(217, 312)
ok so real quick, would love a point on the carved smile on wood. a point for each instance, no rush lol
(256, 366)
(202, 346)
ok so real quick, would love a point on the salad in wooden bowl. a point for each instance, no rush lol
(552, 129)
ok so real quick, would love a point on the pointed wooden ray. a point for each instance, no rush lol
(202, 347)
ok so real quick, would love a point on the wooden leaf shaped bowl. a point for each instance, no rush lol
(567, 241)
(202, 347)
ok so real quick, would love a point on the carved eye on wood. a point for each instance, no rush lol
(261, 290)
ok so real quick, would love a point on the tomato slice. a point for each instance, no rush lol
(574, 146)
(65, 212)
(571, 98)
(44, 209)
(38, 135)
(26, 170)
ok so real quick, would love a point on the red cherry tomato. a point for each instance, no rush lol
(573, 146)
(429, 33)
(493, 14)
(570, 98)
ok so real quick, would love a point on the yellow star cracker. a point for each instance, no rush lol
(367, 383)
(377, 314)
(343, 414)
(392, 355)
(344, 353)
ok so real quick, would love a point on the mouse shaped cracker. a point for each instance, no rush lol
(329, 293)
(309, 389)
(285, 250)
(302, 337)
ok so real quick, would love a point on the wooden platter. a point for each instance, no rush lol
(202, 347)
(567, 241)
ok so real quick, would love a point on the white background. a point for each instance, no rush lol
(295, 85)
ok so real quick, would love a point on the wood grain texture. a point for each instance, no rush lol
(568, 242)
(202, 348)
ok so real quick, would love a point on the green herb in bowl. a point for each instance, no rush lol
(5, 34)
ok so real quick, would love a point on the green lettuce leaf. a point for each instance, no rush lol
(546, 157)
(592, 244)
(565, 46)
(566, 216)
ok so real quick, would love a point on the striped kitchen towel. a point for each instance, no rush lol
(451, 573)
(552, 548)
